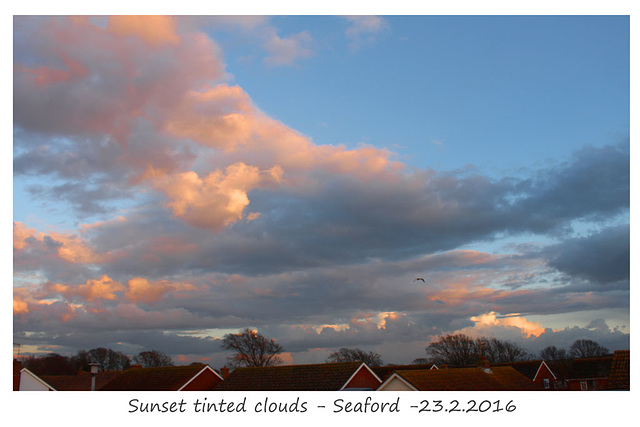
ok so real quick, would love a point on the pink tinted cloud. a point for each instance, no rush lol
(154, 30)
(26, 304)
(93, 290)
(141, 290)
(127, 77)
(217, 199)
(487, 322)
(68, 247)
(72, 71)
(137, 289)
(220, 117)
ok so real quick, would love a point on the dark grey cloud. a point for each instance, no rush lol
(602, 257)
(593, 185)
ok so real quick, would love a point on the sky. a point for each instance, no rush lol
(176, 179)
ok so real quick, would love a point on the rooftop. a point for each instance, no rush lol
(168, 378)
(495, 378)
(315, 377)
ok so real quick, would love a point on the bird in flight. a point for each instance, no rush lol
(419, 278)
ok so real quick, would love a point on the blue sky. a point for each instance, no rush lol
(179, 177)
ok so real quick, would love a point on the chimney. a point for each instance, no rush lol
(225, 372)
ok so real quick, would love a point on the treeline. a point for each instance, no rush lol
(106, 358)
(462, 350)
(253, 349)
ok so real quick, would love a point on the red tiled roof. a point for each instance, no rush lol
(528, 368)
(590, 368)
(496, 378)
(620, 370)
(79, 382)
(384, 372)
(316, 377)
(169, 378)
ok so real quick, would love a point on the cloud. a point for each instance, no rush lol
(103, 288)
(30, 245)
(154, 30)
(363, 29)
(486, 324)
(122, 81)
(602, 257)
(280, 50)
(218, 199)
(286, 51)
(141, 290)
(593, 185)
(220, 117)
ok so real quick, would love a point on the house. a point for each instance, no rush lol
(590, 373)
(193, 377)
(312, 377)
(498, 378)
(196, 377)
(537, 371)
(620, 371)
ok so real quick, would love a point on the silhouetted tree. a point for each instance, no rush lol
(587, 348)
(498, 351)
(152, 359)
(49, 364)
(252, 349)
(456, 350)
(109, 360)
(461, 350)
(371, 358)
(553, 353)
(81, 360)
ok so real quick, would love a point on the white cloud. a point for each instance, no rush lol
(288, 50)
(363, 29)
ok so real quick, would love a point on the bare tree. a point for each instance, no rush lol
(152, 359)
(587, 348)
(553, 353)
(461, 350)
(498, 351)
(81, 360)
(252, 349)
(109, 360)
(371, 358)
(456, 350)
